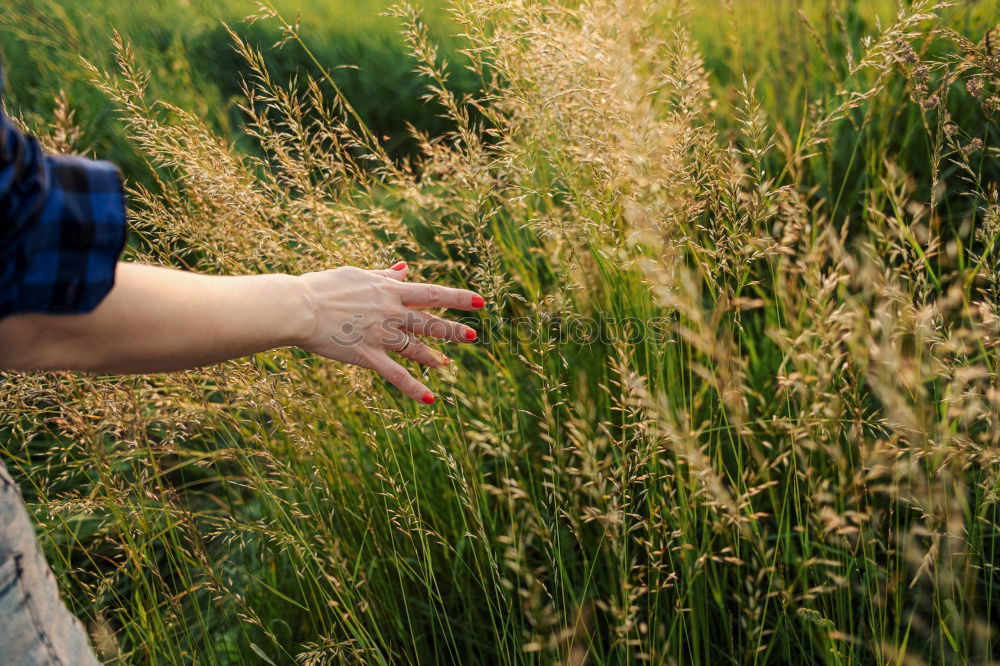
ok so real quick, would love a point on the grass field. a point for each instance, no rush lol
(735, 399)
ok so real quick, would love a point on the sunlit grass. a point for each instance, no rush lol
(780, 448)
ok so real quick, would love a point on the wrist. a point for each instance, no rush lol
(301, 311)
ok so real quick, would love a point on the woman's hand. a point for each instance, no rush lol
(360, 317)
(160, 320)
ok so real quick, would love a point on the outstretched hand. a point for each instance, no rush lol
(160, 319)
(360, 316)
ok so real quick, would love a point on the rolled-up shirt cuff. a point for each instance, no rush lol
(65, 260)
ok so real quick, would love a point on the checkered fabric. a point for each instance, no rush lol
(62, 227)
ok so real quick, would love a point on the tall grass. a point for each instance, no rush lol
(735, 401)
(187, 49)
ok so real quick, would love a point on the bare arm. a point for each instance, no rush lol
(158, 319)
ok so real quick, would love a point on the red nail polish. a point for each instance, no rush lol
(470, 335)
(478, 301)
(428, 399)
(400, 266)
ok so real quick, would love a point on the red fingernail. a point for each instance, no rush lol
(428, 399)
(470, 335)
(478, 301)
(400, 266)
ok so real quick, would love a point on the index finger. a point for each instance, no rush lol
(435, 296)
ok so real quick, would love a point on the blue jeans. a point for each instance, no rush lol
(35, 626)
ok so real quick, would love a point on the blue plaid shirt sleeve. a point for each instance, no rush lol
(62, 227)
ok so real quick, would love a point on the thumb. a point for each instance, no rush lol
(397, 272)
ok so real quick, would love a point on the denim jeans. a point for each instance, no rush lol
(35, 626)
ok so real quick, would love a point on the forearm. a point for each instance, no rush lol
(160, 319)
